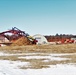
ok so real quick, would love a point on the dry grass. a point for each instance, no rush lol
(65, 48)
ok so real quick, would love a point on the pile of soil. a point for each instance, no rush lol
(22, 41)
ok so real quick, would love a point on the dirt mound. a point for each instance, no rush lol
(22, 41)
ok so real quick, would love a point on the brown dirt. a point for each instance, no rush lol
(21, 41)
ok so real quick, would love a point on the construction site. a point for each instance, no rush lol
(22, 54)
(18, 37)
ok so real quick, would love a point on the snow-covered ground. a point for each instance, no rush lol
(8, 67)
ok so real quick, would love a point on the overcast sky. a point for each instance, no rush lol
(46, 17)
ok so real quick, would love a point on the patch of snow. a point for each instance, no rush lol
(53, 54)
(43, 57)
(8, 54)
(1, 54)
(54, 70)
(10, 67)
(62, 54)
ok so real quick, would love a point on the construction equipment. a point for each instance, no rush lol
(15, 34)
